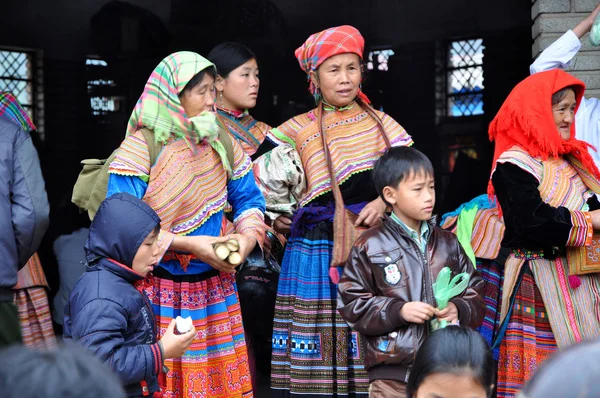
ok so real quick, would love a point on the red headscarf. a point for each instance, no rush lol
(526, 119)
(333, 41)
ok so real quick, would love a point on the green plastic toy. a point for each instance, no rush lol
(444, 289)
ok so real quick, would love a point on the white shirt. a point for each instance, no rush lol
(587, 119)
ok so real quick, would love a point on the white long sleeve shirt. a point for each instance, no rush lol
(587, 119)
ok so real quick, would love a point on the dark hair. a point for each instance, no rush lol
(562, 93)
(197, 79)
(65, 371)
(156, 230)
(570, 373)
(229, 56)
(456, 350)
(396, 164)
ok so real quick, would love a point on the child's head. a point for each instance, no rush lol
(404, 179)
(125, 229)
(454, 362)
(64, 371)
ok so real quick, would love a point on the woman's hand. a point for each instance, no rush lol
(283, 225)
(202, 248)
(247, 244)
(595, 214)
(586, 25)
(371, 214)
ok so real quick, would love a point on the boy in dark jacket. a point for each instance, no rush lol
(385, 292)
(106, 313)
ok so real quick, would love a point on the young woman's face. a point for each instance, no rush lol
(448, 385)
(240, 87)
(200, 98)
(564, 114)
(339, 79)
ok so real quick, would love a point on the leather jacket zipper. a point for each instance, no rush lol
(426, 275)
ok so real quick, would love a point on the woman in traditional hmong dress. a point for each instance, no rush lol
(544, 179)
(315, 353)
(188, 186)
(237, 85)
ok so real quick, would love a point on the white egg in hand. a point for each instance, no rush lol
(184, 325)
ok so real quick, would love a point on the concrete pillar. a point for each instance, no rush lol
(551, 18)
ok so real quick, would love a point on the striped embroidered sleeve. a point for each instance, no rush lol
(246, 199)
(398, 136)
(582, 230)
(251, 223)
(242, 162)
(132, 158)
(288, 131)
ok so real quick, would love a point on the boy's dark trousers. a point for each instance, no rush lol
(387, 389)
(10, 326)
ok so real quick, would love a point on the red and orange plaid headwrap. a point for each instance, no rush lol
(333, 41)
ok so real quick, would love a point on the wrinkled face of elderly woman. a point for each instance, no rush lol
(563, 109)
(339, 78)
(199, 94)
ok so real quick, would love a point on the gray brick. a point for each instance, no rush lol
(584, 5)
(592, 93)
(555, 23)
(589, 61)
(591, 79)
(544, 40)
(549, 6)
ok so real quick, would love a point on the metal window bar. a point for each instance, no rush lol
(464, 88)
(16, 77)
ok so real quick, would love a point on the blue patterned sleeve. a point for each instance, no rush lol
(248, 206)
(130, 184)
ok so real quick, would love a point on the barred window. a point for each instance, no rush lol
(102, 89)
(464, 78)
(21, 75)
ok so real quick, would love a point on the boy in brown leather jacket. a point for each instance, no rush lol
(385, 292)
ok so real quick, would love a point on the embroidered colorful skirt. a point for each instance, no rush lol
(34, 317)
(315, 353)
(216, 364)
(491, 272)
(528, 340)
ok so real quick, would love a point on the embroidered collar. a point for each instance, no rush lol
(329, 107)
(234, 113)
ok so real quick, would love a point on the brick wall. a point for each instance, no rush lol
(551, 18)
